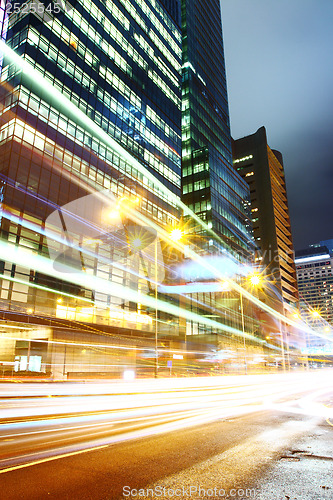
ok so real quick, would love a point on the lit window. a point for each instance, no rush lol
(249, 157)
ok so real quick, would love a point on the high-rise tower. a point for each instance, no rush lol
(112, 122)
(262, 168)
(210, 185)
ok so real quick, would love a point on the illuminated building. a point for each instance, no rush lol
(119, 62)
(210, 186)
(315, 283)
(262, 168)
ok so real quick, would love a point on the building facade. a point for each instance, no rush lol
(210, 186)
(315, 284)
(262, 169)
(119, 64)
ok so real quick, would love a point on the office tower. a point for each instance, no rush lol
(210, 186)
(262, 168)
(315, 284)
(119, 63)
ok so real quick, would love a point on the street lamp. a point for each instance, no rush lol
(176, 234)
(282, 346)
(255, 280)
(297, 316)
(137, 244)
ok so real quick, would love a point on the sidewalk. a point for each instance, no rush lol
(304, 472)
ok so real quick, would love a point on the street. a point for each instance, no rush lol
(210, 436)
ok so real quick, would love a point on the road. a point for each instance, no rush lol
(218, 433)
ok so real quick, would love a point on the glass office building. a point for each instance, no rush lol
(119, 63)
(210, 186)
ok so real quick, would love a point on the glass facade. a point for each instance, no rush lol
(210, 186)
(119, 63)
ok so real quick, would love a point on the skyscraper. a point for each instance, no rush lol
(210, 185)
(117, 67)
(262, 168)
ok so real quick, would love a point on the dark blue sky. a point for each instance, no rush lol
(279, 63)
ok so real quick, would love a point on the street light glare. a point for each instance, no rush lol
(225, 286)
(176, 234)
(114, 214)
(137, 243)
(255, 280)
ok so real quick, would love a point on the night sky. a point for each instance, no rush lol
(279, 63)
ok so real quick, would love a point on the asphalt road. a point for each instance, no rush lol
(219, 439)
(227, 454)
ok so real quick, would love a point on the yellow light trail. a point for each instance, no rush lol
(120, 412)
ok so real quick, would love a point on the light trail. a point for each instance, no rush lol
(99, 345)
(55, 98)
(105, 414)
(49, 459)
(14, 254)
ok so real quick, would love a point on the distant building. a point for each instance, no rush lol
(262, 168)
(324, 243)
(315, 283)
